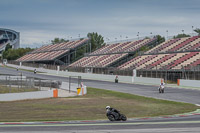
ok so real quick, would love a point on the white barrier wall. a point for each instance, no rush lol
(111, 78)
(155, 81)
(26, 95)
(190, 83)
(102, 77)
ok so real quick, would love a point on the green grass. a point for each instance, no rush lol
(89, 107)
(5, 89)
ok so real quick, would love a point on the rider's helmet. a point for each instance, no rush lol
(107, 107)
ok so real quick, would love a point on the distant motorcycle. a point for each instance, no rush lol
(161, 89)
(114, 116)
(35, 71)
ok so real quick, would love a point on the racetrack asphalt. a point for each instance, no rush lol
(168, 124)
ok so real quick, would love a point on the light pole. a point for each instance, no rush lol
(138, 35)
(192, 29)
(90, 47)
(183, 32)
(167, 34)
(108, 39)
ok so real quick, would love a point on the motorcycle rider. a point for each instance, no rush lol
(162, 85)
(115, 113)
(108, 108)
(112, 110)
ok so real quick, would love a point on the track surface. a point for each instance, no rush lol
(190, 123)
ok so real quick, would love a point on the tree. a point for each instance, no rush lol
(197, 30)
(13, 54)
(160, 39)
(181, 36)
(96, 41)
(58, 40)
(8, 46)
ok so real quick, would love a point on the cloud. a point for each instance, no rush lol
(39, 21)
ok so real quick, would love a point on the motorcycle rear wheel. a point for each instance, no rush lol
(111, 118)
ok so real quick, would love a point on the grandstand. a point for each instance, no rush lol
(181, 53)
(173, 57)
(54, 54)
(112, 55)
(179, 44)
(8, 36)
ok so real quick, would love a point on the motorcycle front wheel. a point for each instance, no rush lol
(123, 117)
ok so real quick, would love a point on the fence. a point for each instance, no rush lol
(23, 84)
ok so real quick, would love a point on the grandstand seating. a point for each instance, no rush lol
(189, 61)
(177, 45)
(42, 56)
(193, 64)
(122, 47)
(111, 53)
(163, 61)
(172, 54)
(50, 52)
(162, 46)
(98, 61)
(181, 59)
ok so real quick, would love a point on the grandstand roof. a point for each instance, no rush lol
(51, 52)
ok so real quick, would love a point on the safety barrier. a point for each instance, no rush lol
(189, 83)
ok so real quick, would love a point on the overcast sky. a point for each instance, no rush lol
(40, 21)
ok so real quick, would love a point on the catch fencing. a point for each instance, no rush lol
(22, 83)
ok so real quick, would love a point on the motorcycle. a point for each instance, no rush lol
(161, 89)
(35, 71)
(114, 116)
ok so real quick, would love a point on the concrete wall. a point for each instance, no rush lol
(26, 95)
(190, 83)
(111, 78)
(155, 81)
(102, 77)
